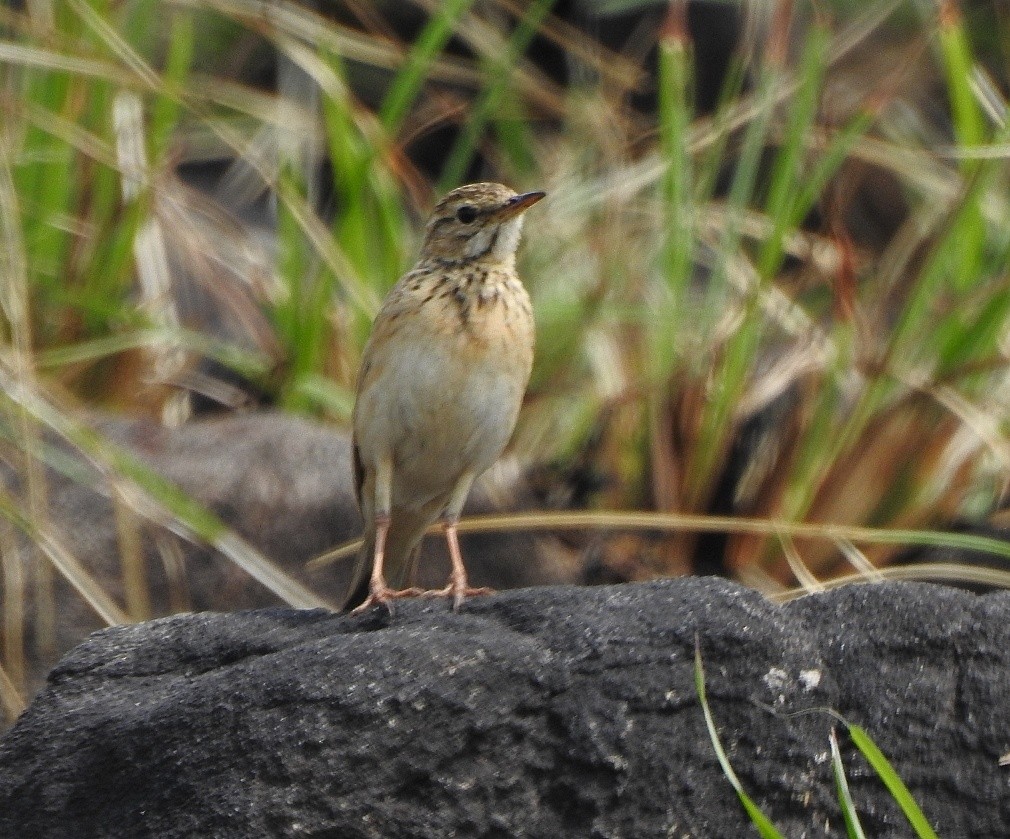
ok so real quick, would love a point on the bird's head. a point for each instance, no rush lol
(477, 221)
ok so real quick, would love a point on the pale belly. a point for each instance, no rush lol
(440, 408)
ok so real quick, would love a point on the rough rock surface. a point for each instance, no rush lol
(284, 485)
(539, 712)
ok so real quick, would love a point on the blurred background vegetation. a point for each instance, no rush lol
(770, 279)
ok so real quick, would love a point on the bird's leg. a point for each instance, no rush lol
(378, 591)
(458, 587)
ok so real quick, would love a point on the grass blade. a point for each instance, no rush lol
(499, 78)
(161, 499)
(63, 561)
(412, 76)
(677, 248)
(757, 817)
(852, 825)
(10, 697)
(882, 766)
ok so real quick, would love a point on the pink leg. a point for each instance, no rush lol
(378, 591)
(459, 587)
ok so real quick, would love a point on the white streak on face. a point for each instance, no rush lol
(480, 243)
(497, 240)
(508, 238)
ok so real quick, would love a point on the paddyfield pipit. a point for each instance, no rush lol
(441, 381)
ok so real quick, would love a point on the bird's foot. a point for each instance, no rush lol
(385, 595)
(458, 590)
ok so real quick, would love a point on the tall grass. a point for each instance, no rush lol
(714, 333)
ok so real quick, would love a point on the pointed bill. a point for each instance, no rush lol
(518, 204)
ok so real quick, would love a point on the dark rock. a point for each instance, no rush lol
(926, 670)
(542, 712)
(282, 483)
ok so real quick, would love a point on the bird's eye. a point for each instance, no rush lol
(466, 213)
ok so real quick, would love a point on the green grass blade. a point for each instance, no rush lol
(959, 66)
(370, 228)
(166, 109)
(852, 825)
(737, 356)
(244, 362)
(323, 393)
(411, 78)
(122, 466)
(757, 817)
(499, 78)
(882, 766)
(711, 137)
(788, 170)
(675, 112)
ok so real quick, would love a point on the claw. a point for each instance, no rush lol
(385, 596)
(458, 591)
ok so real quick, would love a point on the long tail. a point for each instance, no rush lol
(403, 543)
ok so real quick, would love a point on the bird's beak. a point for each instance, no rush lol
(517, 204)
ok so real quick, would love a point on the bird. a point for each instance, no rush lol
(441, 381)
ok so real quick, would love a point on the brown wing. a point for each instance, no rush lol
(359, 471)
(358, 466)
(388, 313)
